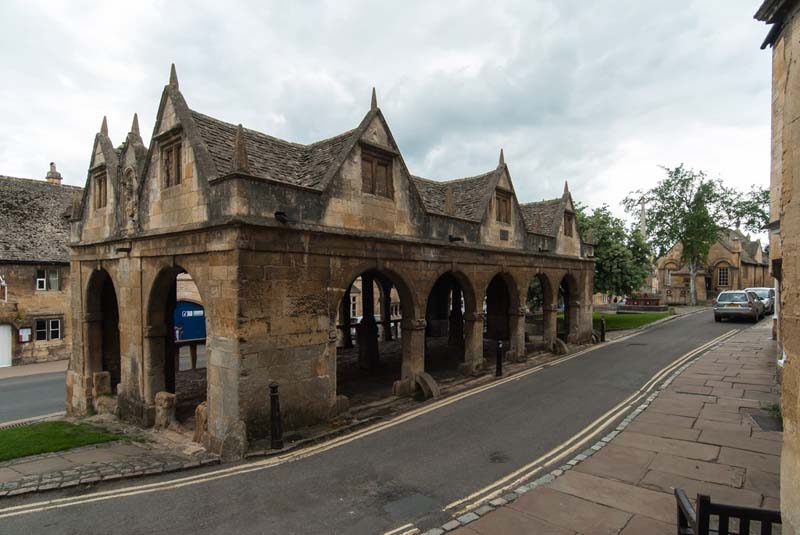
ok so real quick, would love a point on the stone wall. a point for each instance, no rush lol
(785, 176)
(25, 304)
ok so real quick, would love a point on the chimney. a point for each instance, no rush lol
(53, 176)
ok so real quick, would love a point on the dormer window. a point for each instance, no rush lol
(100, 189)
(376, 173)
(569, 223)
(171, 164)
(502, 206)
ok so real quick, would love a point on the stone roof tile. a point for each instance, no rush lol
(470, 195)
(34, 220)
(270, 157)
(542, 217)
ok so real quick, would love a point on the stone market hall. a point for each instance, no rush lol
(278, 237)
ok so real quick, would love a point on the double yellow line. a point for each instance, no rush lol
(60, 503)
(577, 441)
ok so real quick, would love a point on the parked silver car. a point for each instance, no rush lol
(767, 295)
(738, 304)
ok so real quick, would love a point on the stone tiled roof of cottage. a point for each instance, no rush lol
(749, 247)
(542, 217)
(470, 195)
(270, 157)
(34, 220)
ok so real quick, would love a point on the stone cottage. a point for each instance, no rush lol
(274, 234)
(734, 262)
(35, 321)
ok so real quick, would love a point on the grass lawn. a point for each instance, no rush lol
(45, 437)
(616, 322)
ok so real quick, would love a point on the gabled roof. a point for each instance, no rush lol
(34, 220)
(270, 157)
(749, 247)
(542, 217)
(470, 195)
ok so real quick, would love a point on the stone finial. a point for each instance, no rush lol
(53, 176)
(374, 103)
(135, 124)
(241, 164)
(173, 77)
(104, 127)
(502, 158)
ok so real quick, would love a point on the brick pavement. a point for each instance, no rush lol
(698, 434)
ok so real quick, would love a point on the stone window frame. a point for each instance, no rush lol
(171, 154)
(502, 206)
(726, 271)
(100, 186)
(372, 159)
(44, 325)
(668, 277)
(44, 282)
(569, 224)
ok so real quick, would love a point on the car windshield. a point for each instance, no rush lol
(739, 297)
(763, 293)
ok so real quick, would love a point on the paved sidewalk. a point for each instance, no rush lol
(34, 369)
(163, 451)
(698, 434)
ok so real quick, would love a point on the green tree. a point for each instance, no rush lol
(688, 208)
(748, 211)
(622, 257)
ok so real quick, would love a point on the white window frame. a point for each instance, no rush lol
(3, 290)
(41, 282)
(353, 306)
(44, 284)
(727, 272)
(50, 325)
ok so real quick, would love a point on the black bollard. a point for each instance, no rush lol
(602, 329)
(498, 372)
(276, 430)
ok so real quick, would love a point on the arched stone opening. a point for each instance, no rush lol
(453, 331)
(102, 325)
(504, 318)
(370, 349)
(569, 308)
(176, 334)
(541, 310)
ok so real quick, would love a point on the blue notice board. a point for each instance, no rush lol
(190, 321)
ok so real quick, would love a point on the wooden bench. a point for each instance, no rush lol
(699, 523)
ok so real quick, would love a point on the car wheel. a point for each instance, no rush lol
(717, 318)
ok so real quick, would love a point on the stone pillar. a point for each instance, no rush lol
(413, 346)
(344, 314)
(575, 324)
(550, 323)
(367, 330)
(473, 342)
(154, 369)
(456, 329)
(386, 306)
(516, 349)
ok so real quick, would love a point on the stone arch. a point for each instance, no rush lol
(541, 301)
(570, 297)
(162, 361)
(453, 326)
(102, 327)
(373, 376)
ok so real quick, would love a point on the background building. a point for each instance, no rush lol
(34, 269)
(734, 262)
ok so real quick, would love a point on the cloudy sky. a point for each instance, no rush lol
(597, 93)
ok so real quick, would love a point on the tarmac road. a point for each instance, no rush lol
(31, 395)
(403, 474)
